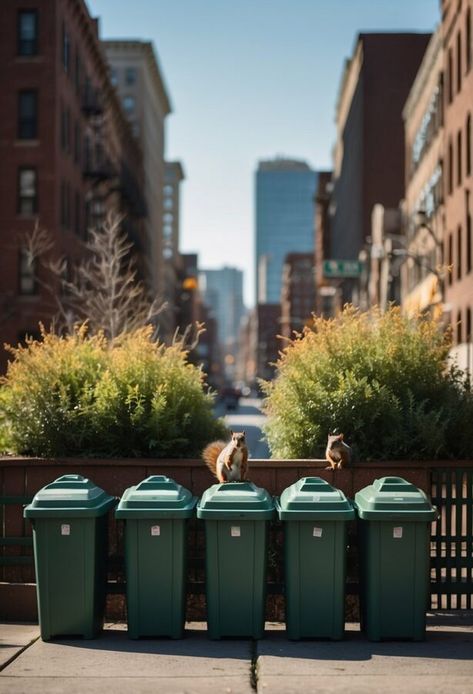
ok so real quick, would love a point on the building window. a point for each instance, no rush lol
(450, 167)
(87, 154)
(459, 158)
(78, 215)
(459, 327)
(65, 205)
(113, 76)
(168, 203)
(77, 142)
(459, 253)
(450, 76)
(28, 114)
(87, 218)
(128, 104)
(459, 62)
(130, 76)
(27, 273)
(468, 39)
(66, 49)
(168, 190)
(28, 32)
(78, 72)
(65, 130)
(468, 144)
(440, 102)
(469, 244)
(450, 259)
(27, 191)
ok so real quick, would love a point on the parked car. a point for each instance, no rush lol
(230, 397)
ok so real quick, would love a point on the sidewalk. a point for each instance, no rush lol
(195, 665)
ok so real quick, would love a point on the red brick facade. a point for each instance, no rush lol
(298, 293)
(457, 38)
(67, 155)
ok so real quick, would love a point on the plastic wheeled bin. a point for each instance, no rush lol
(70, 523)
(236, 530)
(155, 513)
(315, 516)
(394, 535)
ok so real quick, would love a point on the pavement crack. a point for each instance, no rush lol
(17, 654)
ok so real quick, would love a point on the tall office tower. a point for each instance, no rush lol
(222, 292)
(285, 191)
(67, 154)
(136, 75)
(369, 150)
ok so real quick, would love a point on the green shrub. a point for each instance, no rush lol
(382, 379)
(82, 396)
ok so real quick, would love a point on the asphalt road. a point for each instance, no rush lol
(249, 418)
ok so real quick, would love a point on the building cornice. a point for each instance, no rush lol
(350, 77)
(177, 167)
(145, 48)
(424, 72)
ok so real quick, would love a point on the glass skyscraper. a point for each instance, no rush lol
(284, 220)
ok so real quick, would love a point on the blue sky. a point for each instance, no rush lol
(248, 80)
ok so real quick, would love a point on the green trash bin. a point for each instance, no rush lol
(236, 530)
(315, 516)
(394, 535)
(70, 523)
(155, 513)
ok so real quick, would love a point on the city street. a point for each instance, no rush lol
(249, 418)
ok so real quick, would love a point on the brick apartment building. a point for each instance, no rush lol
(67, 154)
(327, 291)
(297, 293)
(267, 323)
(136, 75)
(423, 209)
(457, 42)
(369, 150)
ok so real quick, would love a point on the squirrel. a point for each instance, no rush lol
(228, 461)
(337, 453)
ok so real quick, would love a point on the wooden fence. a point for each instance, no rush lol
(449, 483)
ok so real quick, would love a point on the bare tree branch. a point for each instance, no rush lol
(102, 289)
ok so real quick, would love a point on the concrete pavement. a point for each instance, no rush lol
(443, 663)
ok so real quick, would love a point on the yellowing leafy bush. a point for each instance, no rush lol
(81, 396)
(382, 379)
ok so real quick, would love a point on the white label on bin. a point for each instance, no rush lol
(316, 498)
(155, 530)
(65, 529)
(235, 531)
(317, 532)
(398, 498)
(397, 533)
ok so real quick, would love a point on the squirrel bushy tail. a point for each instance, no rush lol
(210, 455)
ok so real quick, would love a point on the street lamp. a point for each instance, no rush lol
(421, 222)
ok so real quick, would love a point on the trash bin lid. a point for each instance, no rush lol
(392, 498)
(312, 498)
(236, 500)
(157, 496)
(73, 496)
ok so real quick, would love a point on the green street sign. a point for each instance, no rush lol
(342, 268)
